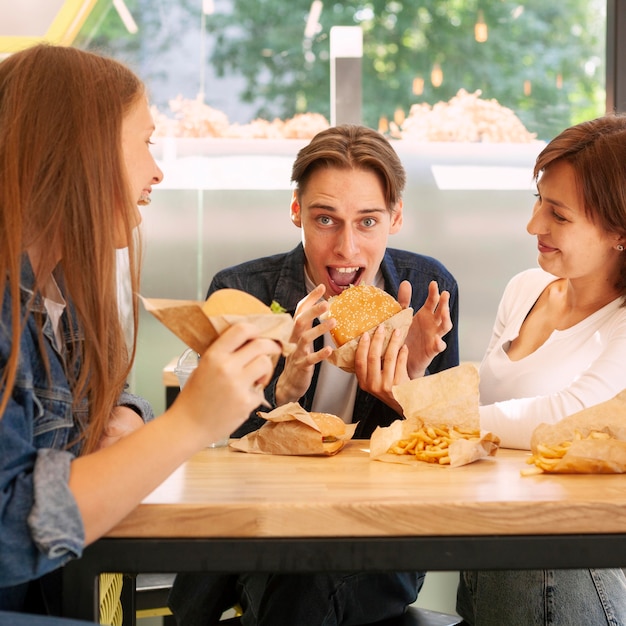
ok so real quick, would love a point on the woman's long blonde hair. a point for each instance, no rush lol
(62, 180)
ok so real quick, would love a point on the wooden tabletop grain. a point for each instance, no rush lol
(224, 493)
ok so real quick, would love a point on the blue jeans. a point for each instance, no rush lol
(543, 597)
(303, 599)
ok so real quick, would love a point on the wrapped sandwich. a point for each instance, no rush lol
(291, 430)
(360, 309)
(198, 324)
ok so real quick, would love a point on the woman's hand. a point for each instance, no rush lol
(429, 325)
(122, 422)
(297, 374)
(228, 382)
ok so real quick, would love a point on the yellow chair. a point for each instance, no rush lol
(110, 604)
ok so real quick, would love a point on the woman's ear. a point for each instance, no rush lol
(296, 216)
(619, 242)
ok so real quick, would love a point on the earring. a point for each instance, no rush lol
(619, 247)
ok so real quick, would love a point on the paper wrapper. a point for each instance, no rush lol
(290, 430)
(448, 398)
(589, 456)
(343, 357)
(187, 320)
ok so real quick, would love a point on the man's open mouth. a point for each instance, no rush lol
(344, 276)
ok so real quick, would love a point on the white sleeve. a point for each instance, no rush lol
(600, 380)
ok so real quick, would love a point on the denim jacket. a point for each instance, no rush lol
(40, 524)
(281, 278)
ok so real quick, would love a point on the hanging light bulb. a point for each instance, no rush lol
(418, 85)
(527, 88)
(436, 76)
(481, 32)
(383, 124)
(399, 116)
(559, 81)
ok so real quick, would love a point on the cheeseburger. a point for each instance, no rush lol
(332, 427)
(233, 302)
(359, 309)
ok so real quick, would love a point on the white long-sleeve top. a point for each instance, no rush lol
(573, 370)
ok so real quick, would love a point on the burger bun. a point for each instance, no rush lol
(358, 309)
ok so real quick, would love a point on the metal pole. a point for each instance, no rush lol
(346, 53)
(615, 56)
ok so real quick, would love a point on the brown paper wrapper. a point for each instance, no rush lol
(290, 430)
(187, 320)
(448, 398)
(589, 456)
(343, 357)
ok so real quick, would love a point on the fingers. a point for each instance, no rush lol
(379, 367)
(297, 373)
(433, 298)
(443, 310)
(306, 332)
(228, 383)
(308, 310)
(233, 338)
(395, 361)
(247, 355)
(434, 315)
(122, 422)
(404, 294)
(309, 301)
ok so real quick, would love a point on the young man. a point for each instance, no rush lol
(347, 201)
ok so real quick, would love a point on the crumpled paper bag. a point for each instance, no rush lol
(588, 456)
(448, 398)
(187, 320)
(343, 357)
(290, 430)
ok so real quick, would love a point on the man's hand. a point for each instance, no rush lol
(378, 372)
(429, 325)
(300, 365)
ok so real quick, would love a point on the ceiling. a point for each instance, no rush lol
(27, 22)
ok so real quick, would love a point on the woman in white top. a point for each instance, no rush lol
(559, 346)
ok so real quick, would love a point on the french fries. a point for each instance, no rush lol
(431, 443)
(546, 457)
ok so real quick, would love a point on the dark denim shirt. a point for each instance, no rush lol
(40, 524)
(281, 278)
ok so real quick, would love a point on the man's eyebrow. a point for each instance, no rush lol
(332, 209)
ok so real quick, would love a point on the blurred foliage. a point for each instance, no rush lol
(162, 25)
(544, 60)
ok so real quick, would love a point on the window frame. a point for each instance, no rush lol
(615, 56)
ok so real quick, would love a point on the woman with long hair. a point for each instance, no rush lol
(76, 453)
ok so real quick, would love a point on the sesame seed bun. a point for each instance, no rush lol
(331, 426)
(359, 309)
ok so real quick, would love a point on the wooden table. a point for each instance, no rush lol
(229, 511)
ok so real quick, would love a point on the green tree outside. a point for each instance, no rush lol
(543, 60)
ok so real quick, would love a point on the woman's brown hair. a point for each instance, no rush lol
(62, 178)
(596, 150)
(352, 147)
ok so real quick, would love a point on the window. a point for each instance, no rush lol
(468, 91)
